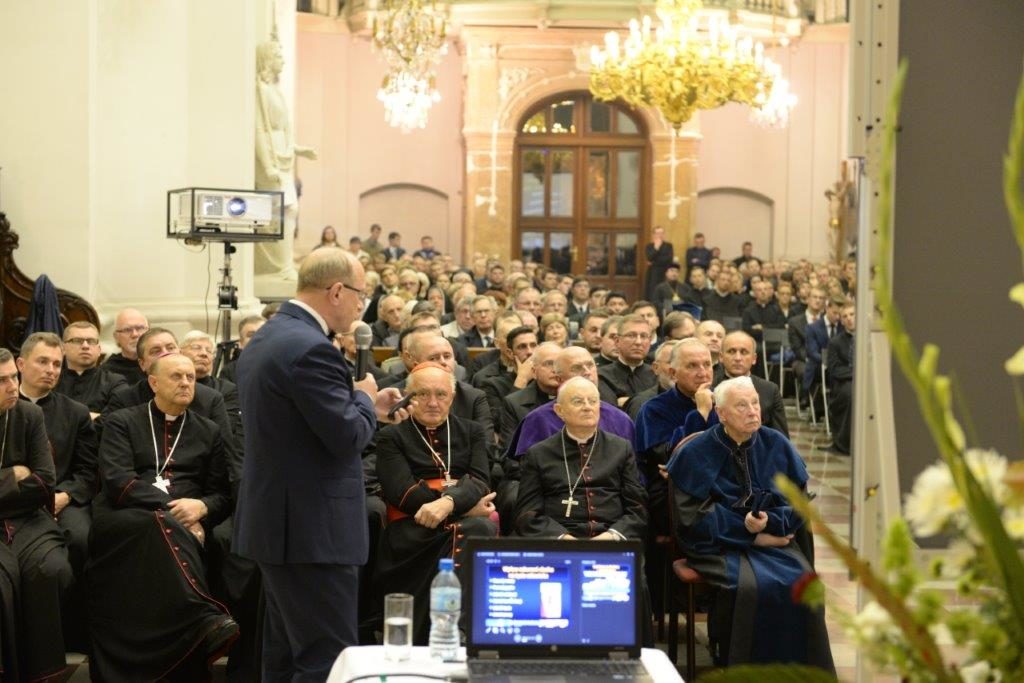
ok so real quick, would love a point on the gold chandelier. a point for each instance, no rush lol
(411, 35)
(675, 70)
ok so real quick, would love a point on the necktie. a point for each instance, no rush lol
(831, 330)
(487, 342)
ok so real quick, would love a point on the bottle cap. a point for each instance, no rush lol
(447, 564)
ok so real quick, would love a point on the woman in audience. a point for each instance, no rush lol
(554, 328)
(436, 296)
(328, 238)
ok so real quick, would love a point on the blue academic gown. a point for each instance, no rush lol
(712, 497)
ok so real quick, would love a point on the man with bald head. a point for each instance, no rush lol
(153, 344)
(150, 614)
(537, 392)
(739, 354)
(433, 470)
(389, 321)
(129, 325)
(712, 333)
(306, 425)
(82, 378)
(738, 530)
(556, 500)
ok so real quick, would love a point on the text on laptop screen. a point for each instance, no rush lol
(532, 598)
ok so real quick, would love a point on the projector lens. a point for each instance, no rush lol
(236, 207)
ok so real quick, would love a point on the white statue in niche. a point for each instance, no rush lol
(275, 160)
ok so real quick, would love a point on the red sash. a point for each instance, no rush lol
(395, 514)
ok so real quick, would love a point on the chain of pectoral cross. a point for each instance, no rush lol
(570, 500)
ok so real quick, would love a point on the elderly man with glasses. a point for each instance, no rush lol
(129, 325)
(434, 475)
(82, 378)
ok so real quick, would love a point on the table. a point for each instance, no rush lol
(369, 660)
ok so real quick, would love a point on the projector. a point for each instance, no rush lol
(225, 214)
(234, 212)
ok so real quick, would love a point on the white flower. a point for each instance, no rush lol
(980, 672)
(989, 468)
(872, 624)
(1013, 520)
(932, 501)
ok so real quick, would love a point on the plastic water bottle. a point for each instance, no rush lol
(445, 607)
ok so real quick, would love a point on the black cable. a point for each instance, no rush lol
(451, 678)
(206, 297)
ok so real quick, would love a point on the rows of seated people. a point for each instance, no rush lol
(117, 478)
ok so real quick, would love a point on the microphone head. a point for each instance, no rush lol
(363, 336)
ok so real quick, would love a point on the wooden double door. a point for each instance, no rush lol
(581, 182)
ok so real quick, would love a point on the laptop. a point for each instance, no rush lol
(549, 611)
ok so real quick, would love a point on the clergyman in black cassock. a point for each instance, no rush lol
(741, 534)
(34, 568)
(83, 379)
(433, 473)
(162, 468)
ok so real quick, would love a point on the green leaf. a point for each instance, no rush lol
(776, 673)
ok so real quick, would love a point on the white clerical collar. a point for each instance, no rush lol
(309, 309)
(580, 440)
(37, 399)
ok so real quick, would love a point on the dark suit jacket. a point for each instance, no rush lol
(305, 431)
(773, 411)
(472, 339)
(798, 336)
(574, 312)
(840, 358)
(518, 405)
(394, 255)
(816, 340)
(381, 331)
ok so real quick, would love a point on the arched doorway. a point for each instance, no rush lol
(581, 173)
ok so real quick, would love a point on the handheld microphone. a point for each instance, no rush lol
(363, 337)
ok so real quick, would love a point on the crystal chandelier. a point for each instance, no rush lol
(675, 70)
(411, 35)
(774, 112)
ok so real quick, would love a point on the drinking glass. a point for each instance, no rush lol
(397, 627)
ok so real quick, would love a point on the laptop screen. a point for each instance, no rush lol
(537, 594)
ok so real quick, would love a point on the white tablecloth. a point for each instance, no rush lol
(369, 659)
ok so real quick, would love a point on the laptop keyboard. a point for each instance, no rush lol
(554, 667)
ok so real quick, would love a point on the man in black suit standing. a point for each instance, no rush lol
(306, 425)
(394, 250)
(798, 325)
(840, 376)
(659, 255)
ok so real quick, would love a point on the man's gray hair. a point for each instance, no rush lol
(324, 267)
(196, 335)
(724, 389)
(689, 342)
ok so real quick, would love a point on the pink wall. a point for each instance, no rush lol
(337, 112)
(794, 166)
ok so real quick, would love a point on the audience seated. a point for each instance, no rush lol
(72, 441)
(596, 494)
(247, 327)
(629, 374)
(34, 569)
(82, 378)
(129, 325)
(840, 377)
(434, 476)
(737, 530)
(486, 435)
(151, 614)
(389, 321)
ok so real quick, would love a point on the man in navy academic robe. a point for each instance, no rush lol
(739, 532)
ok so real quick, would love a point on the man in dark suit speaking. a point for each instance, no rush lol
(300, 511)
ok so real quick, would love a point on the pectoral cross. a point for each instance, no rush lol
(162, 483)
(569, 502)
